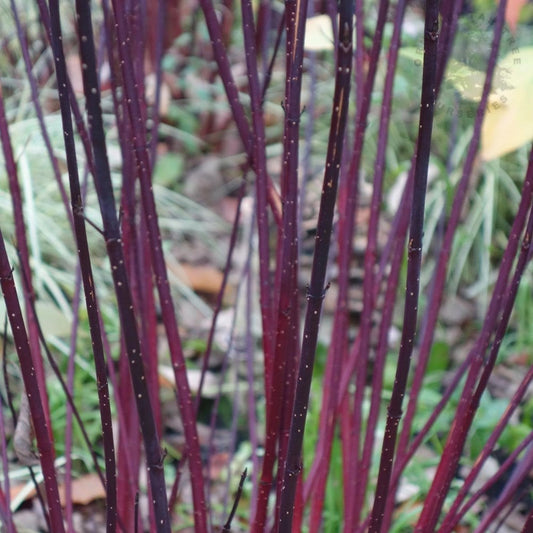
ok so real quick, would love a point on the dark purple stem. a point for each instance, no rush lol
(316, 288)
(113, 243)
(227, 525)
(134, 104)
(85, 264)
(437, 290)
(348, 198)
(427, 103)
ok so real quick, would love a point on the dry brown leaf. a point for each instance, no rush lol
(202, 278)
(84, 490)
(227, 208)
(166, 379)
(218, 463)
(461, 529)
(23, 436)
(15, 490)
(165, 96)
(520, 359)
(74, 72)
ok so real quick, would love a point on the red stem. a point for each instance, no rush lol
(266, 296)
(31, 385)
(456, 512)
(24, 257)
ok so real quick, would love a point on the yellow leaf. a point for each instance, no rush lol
(507, 127)
(507, 124)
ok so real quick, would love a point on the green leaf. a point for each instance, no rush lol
(439, 358)
(416, 55)
(513, 435)
(467, 81)
(168, 169)
(52, 320)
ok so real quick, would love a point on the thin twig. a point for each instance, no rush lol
(227, 525)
